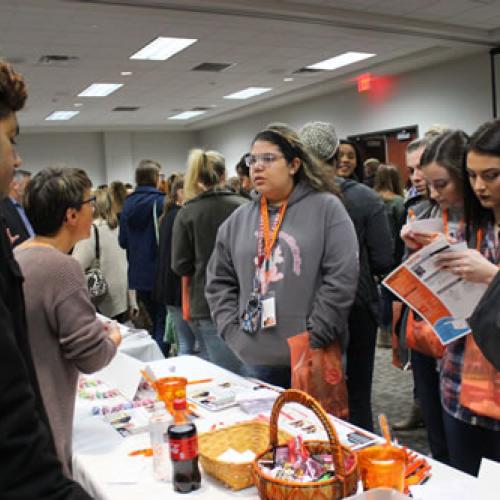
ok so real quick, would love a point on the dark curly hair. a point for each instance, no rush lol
(13, 93)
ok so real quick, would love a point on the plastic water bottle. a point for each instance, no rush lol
(158, 426)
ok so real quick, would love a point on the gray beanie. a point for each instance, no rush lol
(320, 138)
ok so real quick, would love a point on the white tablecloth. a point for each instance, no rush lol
(101, 454)
(137, 343)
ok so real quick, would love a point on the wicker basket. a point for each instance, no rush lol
(253, 435)
(345, 481)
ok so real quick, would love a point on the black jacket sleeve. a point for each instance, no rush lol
(28, 463)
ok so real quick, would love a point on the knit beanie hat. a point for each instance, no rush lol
(320, 138)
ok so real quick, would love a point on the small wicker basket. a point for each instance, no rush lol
(252, 435)
(345, 481)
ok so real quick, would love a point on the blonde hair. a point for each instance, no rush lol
(205, 170)
(104, 208)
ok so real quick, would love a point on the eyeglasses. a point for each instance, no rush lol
(90, 201)
(265, 159)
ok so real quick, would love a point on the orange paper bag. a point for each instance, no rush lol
(421, 337)
(480, 389)
(319, 372)
(185, 284)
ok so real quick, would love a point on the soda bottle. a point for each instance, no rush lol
(183, 441)
(158, 425)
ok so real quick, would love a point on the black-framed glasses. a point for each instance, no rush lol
(90, 201)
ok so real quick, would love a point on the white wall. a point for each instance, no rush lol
(106, 156)
(75, 150)
(457, 94)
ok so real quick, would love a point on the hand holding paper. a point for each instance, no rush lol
(469, 265)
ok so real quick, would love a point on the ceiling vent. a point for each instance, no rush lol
(308, 71)
(213, 67)
(58, 60)
(126, 108)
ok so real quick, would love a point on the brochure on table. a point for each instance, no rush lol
(443, 299)
(123, 374)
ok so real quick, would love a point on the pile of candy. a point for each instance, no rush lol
(293, 462)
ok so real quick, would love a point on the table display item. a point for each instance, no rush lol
(170, 389)
(341, 483)
(252, 435)
(183, 441)
(382, 466)
(216, 397)
(158, 425)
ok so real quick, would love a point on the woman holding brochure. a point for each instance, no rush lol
(469, 383)
(441, 164)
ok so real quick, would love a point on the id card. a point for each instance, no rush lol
(268, 315)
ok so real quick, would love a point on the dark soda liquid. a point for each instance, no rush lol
(184, 453)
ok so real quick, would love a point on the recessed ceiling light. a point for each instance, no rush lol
(62, 115)
(78, 104)
(248, 93)
(162, 48)
(100, 89)
(341, 60)
(186, 115)
(126, 73)
(288, 79)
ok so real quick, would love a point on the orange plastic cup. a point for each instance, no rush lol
(170, 388)
(382, 466)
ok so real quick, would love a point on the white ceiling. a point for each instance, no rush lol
(266, 40)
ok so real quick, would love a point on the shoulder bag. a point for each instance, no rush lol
(96, 283)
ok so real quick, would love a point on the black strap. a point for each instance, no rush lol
(96, 233)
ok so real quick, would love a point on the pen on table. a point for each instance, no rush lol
(200, 381)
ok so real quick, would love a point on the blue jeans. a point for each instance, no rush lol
(185, 335)
(212, 347)
(158, 314)
(274, 375)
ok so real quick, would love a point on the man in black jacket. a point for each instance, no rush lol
(29, 468)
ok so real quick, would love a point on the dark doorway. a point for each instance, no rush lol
(388, 146)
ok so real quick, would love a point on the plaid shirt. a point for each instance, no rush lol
(451, 364)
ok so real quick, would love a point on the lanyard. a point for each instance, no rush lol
(267, 238)
(479, 234)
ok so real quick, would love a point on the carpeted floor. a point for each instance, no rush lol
(393, 394)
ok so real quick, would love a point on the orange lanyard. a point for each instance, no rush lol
(266, 239)
(479, 234)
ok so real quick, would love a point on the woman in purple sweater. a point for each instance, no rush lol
(65, 336)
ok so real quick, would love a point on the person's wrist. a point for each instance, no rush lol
(491, 276)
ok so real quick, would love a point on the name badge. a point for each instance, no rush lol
(268, 314)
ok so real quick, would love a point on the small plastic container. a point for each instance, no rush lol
(382, 466)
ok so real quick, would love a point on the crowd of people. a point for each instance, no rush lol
(298, 242)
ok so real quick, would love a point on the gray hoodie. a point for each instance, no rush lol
(314, 275)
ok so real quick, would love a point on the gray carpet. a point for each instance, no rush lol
(393, 394)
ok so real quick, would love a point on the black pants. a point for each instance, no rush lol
(426, 379)
(360, 361)
(158, 314)
(468, 444)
